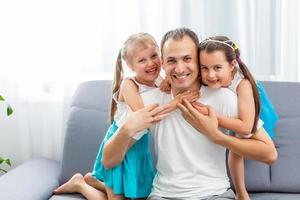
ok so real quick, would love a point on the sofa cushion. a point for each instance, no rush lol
(94, 95)
(84, 133)
(257, 176)
(280, 94)
(274, 196)
(34, 179)
(86, 127)
(285, 175)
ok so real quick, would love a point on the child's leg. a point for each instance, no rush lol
(77, 185)
(236, 168)
(92, 181)
(112, 196)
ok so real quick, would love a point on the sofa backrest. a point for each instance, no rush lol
(86, 125)
(283, 175)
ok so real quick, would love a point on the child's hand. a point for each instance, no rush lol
(190, 96)
(200, 107)
(165, 86)
(146, 116)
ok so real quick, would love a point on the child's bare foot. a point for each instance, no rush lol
(92, 181)
(70, 186)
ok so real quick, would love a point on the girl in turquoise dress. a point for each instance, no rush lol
(133, 177)
(221, 66)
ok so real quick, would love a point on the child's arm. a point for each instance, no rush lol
(116, 147)
(165, 86)
(246, 111)
(129, 93)
(191, 96)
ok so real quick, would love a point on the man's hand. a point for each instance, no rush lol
(200, 107)
(190, 96)
(144, 118)
(205, 124)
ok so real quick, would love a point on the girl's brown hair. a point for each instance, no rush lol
(125, 53)
(224, 44)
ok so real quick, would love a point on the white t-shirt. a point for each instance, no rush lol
(189, 165)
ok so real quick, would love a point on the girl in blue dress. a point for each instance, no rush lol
(221, 66)
(133, 177)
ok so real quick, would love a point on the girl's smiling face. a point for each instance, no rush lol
(216, 71)
(145, 62)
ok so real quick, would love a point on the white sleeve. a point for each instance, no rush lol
(149, 97)
(244, 136)
(140, 134)
(137, 135)
(260, 123)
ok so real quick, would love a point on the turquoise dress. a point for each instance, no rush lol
(267, 114)
(133, 177)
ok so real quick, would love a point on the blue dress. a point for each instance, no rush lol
(133, 177)
(267, 113)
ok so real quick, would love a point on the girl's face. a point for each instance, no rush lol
(216, 71)
(146, 63)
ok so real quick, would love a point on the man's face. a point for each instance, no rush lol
(180, 64)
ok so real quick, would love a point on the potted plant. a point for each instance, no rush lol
(6, 161)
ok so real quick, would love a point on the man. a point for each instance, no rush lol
(190, 159)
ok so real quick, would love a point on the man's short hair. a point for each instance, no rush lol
(177, 34)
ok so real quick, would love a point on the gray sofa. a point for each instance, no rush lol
(87, 124)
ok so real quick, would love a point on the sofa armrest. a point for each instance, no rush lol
(34, 179)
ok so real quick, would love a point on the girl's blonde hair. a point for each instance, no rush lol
(231, 51)
(125, 53)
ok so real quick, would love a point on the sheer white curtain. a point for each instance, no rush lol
(48, 47)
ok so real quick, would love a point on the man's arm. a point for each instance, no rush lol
(259, 147)
(116, 147)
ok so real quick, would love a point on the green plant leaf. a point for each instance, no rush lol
(4, 171)
(9, 110)
(8, 162)
(1, 98)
